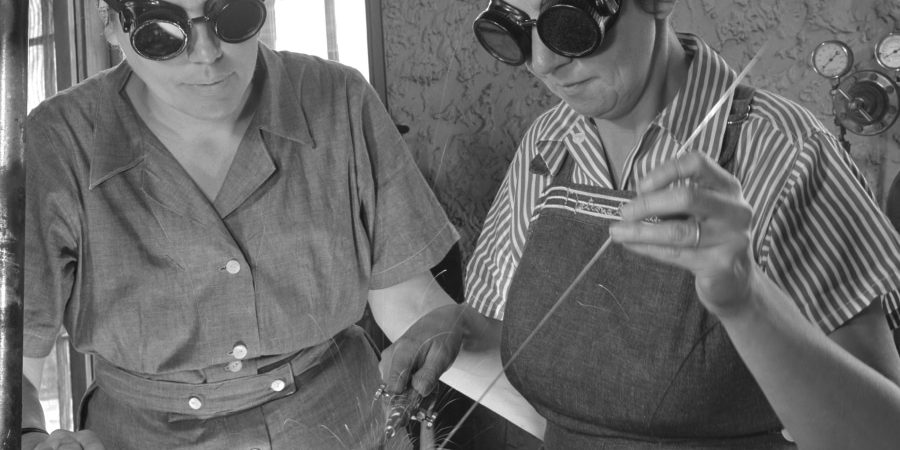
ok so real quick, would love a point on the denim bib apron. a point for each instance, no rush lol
(631, 359)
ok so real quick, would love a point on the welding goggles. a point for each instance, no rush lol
(572, 28)
(161, 30)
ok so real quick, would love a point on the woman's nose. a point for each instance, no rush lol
(205, 46)
(543, 60)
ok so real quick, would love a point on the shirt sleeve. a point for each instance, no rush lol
(409, 230)
(51, 238)
(502, 239)
(832, 249)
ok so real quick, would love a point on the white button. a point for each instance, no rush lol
(234, 366)
(578, 138)
(239, 351)
(277, 385)
(787, 436)
(233, 266)
(195, 403)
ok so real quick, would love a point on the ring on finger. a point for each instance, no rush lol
(697, 233)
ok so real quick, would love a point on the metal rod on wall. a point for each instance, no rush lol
(331, 31)
(13, 89)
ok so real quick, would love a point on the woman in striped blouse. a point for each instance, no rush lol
(740, 303)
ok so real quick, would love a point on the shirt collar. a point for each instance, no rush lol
(119, 135)
(707, 80)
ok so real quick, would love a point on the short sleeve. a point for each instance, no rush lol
(487, 277)
(831, 247)
(409, 229)
(502, 240)
(892, 302)
(51, 222)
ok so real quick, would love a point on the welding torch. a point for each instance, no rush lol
(407, 406)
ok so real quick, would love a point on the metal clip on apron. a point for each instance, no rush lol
(632, 359)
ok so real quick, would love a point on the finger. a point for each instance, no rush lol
(60, 439)
(685, 201)
(426, 377)
(89, 440)
(673, 233)
(396, 363)
(688, 258)
(70, 446)
(694, 166)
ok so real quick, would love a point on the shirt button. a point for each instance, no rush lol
(578, 138)
(787, 436)
(195, 403)
(233, 266)
(239, 351)
(234, 366)
(277, 385)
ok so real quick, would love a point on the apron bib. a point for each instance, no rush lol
(631, 358)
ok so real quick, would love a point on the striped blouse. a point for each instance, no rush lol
(817, 230)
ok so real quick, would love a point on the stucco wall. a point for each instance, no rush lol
(466, 112)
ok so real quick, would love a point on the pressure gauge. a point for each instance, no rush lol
(832, 59)
(887, 51)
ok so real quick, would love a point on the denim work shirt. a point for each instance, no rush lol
(322, 203)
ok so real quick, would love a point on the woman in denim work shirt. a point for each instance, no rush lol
(207, 220)
(750, 317)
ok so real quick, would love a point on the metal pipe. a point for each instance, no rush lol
(13, 88)
(331, 31)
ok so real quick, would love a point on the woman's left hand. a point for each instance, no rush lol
(704, 228)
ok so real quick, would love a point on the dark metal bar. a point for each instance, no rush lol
(331, 30)
(13, 88)
(377, 76)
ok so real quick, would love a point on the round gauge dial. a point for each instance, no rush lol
(887, 51)
(832, 59)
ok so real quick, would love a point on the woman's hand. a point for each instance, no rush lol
(704, 228)
(425, 351)
(62, 440)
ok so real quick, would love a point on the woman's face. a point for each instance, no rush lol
(208, 81)
(608, 83)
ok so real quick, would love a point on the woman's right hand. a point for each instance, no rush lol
(419, 357)
(62, 440)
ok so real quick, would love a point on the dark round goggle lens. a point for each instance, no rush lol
(569, 31)
(499, 42)
(240, 20)
(158, 39)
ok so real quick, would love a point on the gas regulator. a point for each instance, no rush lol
(865, 102)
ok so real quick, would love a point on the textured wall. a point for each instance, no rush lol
(466, 112)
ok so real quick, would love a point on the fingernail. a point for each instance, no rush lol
(615, 230)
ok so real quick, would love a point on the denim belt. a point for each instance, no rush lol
(205, 400)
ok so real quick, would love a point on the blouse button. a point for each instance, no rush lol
(232, 266)
(787, 436)
(277, 385)
(234, 366)
(239, 351)
(195, 403)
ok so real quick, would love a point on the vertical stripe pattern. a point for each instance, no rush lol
(816, 230)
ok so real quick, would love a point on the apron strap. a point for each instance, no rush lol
(740, 111)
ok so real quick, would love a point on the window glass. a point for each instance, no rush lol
(42, 84)
(331, 29)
